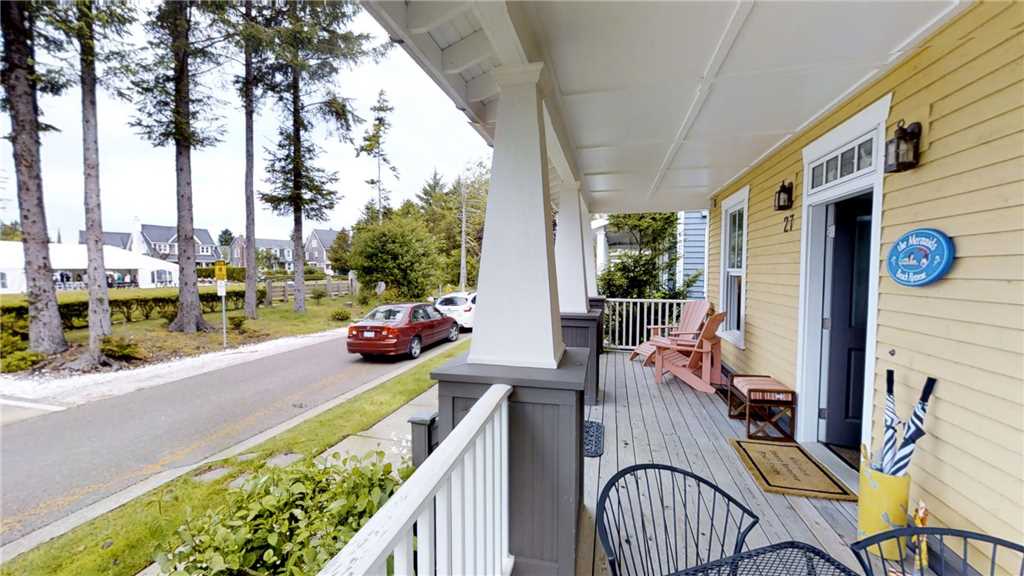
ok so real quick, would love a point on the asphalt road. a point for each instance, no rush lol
(57, 463)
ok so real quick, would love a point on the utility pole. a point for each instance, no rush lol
(462, 243)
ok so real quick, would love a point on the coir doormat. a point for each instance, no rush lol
(786, 468)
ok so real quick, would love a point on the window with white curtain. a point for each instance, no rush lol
(734, 265)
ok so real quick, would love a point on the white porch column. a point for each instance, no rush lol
(602, 248)
(589, 261)
(517, 319)
(569, 254)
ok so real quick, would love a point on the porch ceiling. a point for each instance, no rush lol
(655, 106)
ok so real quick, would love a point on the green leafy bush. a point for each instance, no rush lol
(118, 348)
(365, 296)
(341, 315)
(237, 323)
(21, 360)
(401, 252)
(14, 324)
(318, 294)
(11, 343)
(284, 521)
(235, 273)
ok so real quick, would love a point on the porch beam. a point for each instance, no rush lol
(481, 88)
(425, 16)
(469, 51)
(517, 322)
(569, 254)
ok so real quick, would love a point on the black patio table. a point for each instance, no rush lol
(782, 559)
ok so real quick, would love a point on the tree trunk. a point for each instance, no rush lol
(298, 255)
(190, 316)
(45, 333)
(250, 202)
(99, 305)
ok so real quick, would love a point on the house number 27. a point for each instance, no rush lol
(787, 223)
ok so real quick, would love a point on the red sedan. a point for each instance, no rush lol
(400, 329)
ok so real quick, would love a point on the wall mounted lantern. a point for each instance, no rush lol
(901, 151)
(784, 196)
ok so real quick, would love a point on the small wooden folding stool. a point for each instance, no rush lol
(766, 404)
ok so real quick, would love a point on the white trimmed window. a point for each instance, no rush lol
(734, 266)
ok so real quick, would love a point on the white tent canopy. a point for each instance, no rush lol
(148, 272)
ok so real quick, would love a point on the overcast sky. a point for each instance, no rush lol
(137, 180)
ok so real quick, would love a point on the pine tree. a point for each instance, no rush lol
(309, 48)
(97, 31)
(21, 80)
(373, 146)
(175, 108)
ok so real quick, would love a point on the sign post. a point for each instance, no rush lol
(220, 272)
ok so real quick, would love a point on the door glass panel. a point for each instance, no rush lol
(864, 155)
(861, 270)
(831, 169)
(817, 175)
(846, 162)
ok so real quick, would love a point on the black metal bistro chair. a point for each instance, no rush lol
(950, 551)
(782, 559)
(657, 519)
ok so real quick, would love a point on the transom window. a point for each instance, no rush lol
(734, 265)
(844, 163)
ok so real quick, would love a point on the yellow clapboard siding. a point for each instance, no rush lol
(1000, 338)
(996, 197)
(977, 178)
(964, 84)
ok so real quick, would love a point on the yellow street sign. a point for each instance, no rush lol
(220, 270)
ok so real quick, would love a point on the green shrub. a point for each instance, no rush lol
(365, 296)
(118, 348)
(21, 360)
(237, 323)
(14, 324)
(169, 314)
(235, 273)
(287, 521)
(318, 294)
(11, 343)
(341, 315)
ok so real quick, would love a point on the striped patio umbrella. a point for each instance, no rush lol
(890, 426)
(913, 431)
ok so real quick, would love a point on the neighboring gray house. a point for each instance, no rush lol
(161, 242)
(691, 239)
(121, 240)
(283, 259)
(692, 236)
(317, 245)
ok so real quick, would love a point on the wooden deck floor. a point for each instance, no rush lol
(674, 424)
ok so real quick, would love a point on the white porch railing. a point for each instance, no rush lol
(451, 515)
(627, 320)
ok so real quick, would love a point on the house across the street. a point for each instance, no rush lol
(161, 242)
(280, 252)
(317, 245)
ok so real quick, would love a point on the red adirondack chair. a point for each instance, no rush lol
(685, 332)
(699, 365)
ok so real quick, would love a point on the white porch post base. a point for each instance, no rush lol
(517, 321)
(589, 260)
(569, 255)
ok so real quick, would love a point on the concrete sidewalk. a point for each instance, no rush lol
(393, 434)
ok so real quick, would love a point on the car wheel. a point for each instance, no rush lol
(453, 332)
(415, 347)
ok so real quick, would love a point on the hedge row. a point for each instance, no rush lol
(235, 273)
(76, 314)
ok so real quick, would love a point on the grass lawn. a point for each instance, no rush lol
(124, 541)
(275, 322)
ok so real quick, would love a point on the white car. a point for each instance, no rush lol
(460, 306)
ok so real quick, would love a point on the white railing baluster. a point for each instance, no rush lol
(443, 532)
(628, 320)
(403, 556)
(454, 508)
(425, 545)
(458, 519)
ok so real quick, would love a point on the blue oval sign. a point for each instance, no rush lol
(920, 257)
